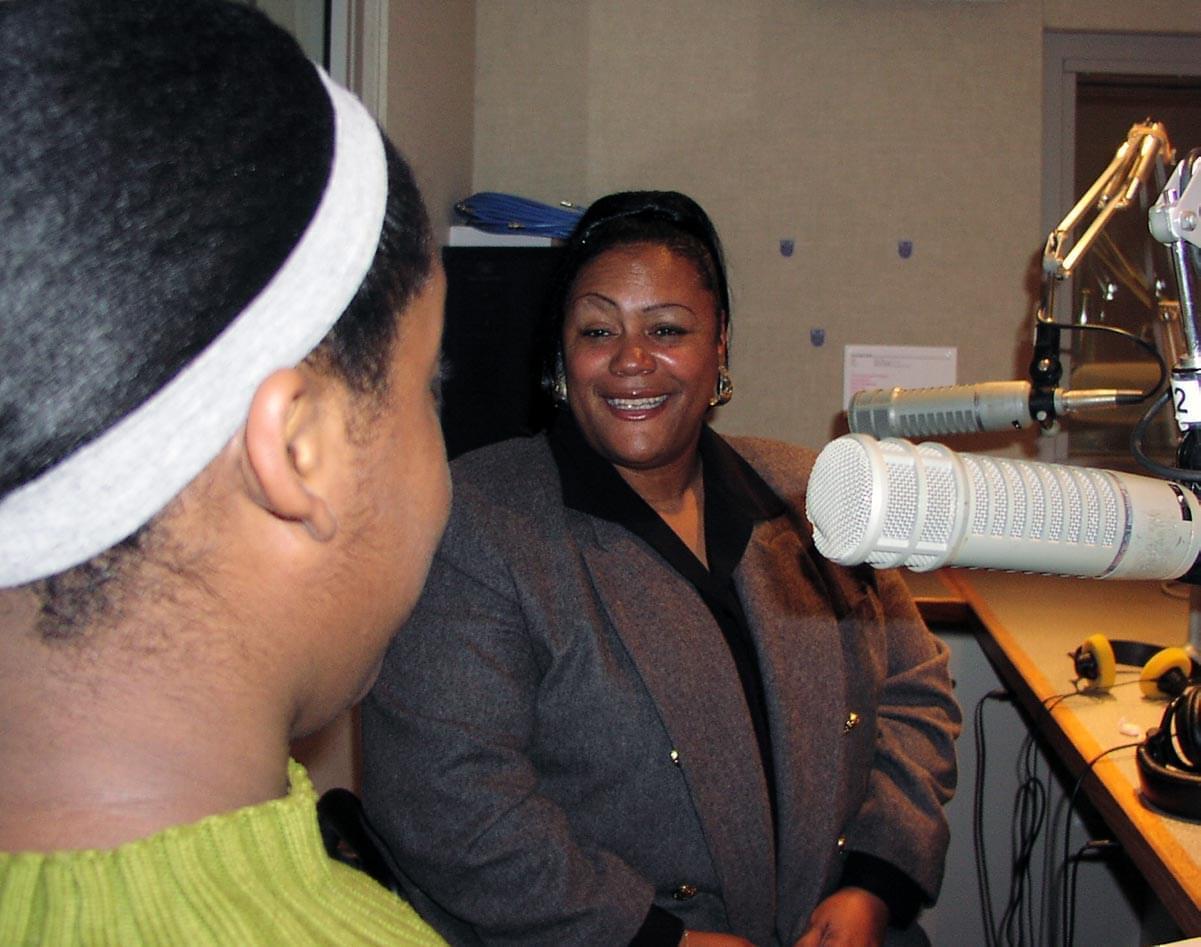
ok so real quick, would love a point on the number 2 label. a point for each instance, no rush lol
(1186, 401)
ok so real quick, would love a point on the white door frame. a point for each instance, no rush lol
(359, 51)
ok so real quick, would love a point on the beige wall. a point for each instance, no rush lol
(1146, 16)
(431, 72)
(845, 125)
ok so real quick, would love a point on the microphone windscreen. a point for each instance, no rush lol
(869, 501)
(893, 503)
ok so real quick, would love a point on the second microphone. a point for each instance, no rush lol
(968, 409)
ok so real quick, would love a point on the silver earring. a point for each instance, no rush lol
(559, 391)
(725, 388)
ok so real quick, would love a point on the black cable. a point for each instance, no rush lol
(1071, 885)
(1056, 699)
(1052, 891)
(1138, 435)
(1023, 919)
(1130, 337)
(983, 884)
(1067, 917)
(1043, 794)
(1041, 797)
(1029, 816)
(1091, 847)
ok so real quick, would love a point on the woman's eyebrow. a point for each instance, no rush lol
(592, 294)
(668, 305)
(650, 307)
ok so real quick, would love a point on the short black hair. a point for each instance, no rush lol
(358, 347)
(159, 160)
(665, 218)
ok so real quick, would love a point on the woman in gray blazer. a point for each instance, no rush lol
(634, 706)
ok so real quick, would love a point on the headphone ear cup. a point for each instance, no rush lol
(1188, 728)
(1156, 678)
(1167, 781)
(1095, 663)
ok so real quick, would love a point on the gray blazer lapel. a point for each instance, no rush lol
(798, 641)
(689, 673)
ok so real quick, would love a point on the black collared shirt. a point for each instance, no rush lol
(735, 499)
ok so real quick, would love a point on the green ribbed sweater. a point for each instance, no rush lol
(259, 875)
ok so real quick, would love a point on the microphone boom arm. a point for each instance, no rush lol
(1145, 149)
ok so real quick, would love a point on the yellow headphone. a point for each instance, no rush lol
(1165, 671)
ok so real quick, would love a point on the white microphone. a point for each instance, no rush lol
(893, 503)
(968, 409)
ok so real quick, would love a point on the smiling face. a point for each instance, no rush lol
(642, 342)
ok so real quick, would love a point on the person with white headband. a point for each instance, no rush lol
(222, 476)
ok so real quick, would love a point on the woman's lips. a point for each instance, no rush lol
(635, 405)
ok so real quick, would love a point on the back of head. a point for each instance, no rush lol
(160, 162)
(138, 217)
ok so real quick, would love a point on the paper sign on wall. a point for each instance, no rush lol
(896, 366)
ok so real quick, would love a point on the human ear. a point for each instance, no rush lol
(282, 451)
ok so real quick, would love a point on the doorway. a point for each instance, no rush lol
(1097, 86)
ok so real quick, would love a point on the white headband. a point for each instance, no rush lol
(116, 483)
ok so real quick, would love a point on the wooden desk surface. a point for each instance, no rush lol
(1031, 625)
